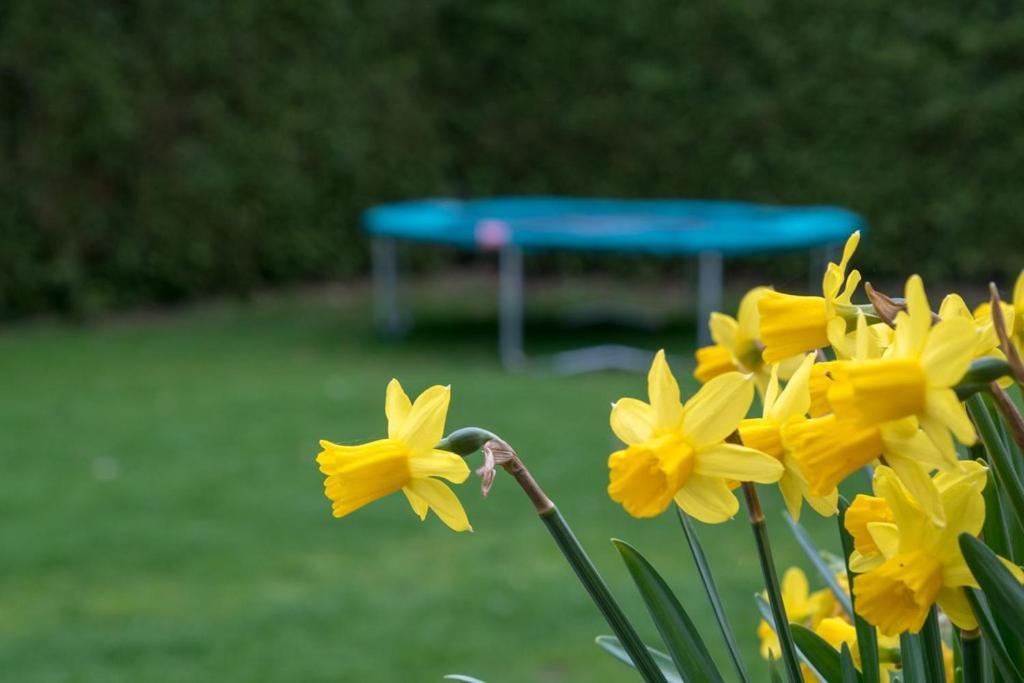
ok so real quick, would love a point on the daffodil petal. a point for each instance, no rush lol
(954, 603)
(439, 464)
(795, 399)
(920, 486)
(707, 499)
(714, 412)
(886, 536)
(732, 461)
(632, 421)
(747, 316)
(442, 501)
(919, 319)
(939, 435)
(946, 407)
(424, 426)
(663, 391)
(723, 329)
(419, 506)
(396, 406)
(948, 352)
(792, 495)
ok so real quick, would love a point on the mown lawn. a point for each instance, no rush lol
(162, 519)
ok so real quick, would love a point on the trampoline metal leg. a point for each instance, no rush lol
(709, 292)
(510, 305)
(387, 311)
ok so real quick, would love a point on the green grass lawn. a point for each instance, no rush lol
(162, 518)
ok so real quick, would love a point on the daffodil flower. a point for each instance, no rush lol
(866, 510)
(676, 451)
(737, 345)
(830, 448)
(802, 607)
(836, 630)
(405, 461)
(787, 407)
(793, 324)
(1014, 329)
(914, 379)
(922, 563)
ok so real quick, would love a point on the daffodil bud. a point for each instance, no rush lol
(465, 441)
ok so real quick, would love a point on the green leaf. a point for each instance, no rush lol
(993, 641)
(931, 648)
(680, 636)
(463, 678)
(996, 581)
(867, 638)
(773, 671)
(712, 591)
(999, 457)
(846, 665)
(912, 658)
(821, 656)
(826, 572)
(612, 646)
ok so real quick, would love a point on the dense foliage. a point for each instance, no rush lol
(154, 151)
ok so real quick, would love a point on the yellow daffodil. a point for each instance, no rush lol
(836, 630)
(828, 450)
(793, 324)
(802, 607)
(914, 379)
(787, 407)
(1014, 327)
(737, 346)
(986, 341)
(676, 451)
(405, 461)
(866, 510)
(923, 564)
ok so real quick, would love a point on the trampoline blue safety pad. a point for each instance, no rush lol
(648, 226)
(510, 226)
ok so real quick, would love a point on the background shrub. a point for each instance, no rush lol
(154, 151)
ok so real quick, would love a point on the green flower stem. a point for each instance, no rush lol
(585, 570)
(771, 579)
(1011, 415)
(467, 441)
(599, 593)
(972, 655)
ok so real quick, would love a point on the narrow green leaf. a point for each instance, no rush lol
(827, 575)
(612, 646)
(999, 457)
(993, 641)
(680, 636)
(994, 529)
(462, 678)
(773, 671)
(867, 638)
(711, 589)
(996, 581)
(822, 656)
(912, 658)
(846, 665)
(931, 648)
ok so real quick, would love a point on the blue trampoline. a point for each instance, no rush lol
(512, 225)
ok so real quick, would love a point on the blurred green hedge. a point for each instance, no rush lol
(154, 151)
